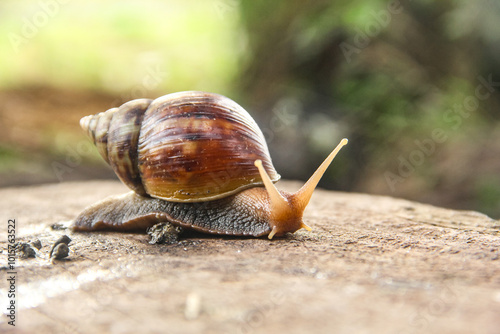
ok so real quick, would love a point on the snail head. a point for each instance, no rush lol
(287, 209)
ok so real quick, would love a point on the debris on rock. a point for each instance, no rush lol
(58, 227)
(25, 250)
(60, 249)
(36, 243)
(164, 233)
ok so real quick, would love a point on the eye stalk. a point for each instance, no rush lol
(287, 209)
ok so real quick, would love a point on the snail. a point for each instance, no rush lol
(196, 160)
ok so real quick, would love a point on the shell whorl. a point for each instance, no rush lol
(115, 132)
(184, 147)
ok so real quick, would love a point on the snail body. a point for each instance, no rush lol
(196, 160)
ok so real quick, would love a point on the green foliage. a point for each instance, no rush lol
(115, 46)
(10, 158)
(487, 194)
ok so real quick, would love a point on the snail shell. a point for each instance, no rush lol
(196, 160)
(182, 147)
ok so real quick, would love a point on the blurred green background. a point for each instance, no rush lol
(415, 86)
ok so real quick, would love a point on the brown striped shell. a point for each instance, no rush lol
(182, 147)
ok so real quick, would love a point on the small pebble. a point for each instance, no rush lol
(64, 240)
(36, 243)
(60, 252)
(58, 226)
(25, 250)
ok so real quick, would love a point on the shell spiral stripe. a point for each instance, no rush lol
(115, 133)
(123, 137)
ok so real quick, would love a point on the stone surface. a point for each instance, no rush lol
(370, 265)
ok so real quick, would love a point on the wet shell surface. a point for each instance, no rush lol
(182, 147)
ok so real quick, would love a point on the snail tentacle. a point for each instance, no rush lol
(304, 194)
(287, 209)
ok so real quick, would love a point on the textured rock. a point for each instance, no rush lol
(370, 265)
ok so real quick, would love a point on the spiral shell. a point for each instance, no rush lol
(182, 147)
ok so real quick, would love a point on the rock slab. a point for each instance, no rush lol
(371, 264)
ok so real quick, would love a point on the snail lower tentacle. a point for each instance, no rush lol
(241, 215)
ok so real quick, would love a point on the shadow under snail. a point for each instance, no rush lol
(196, 160)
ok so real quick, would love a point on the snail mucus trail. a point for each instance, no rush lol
(170, 151)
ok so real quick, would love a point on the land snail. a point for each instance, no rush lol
(196, 160)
